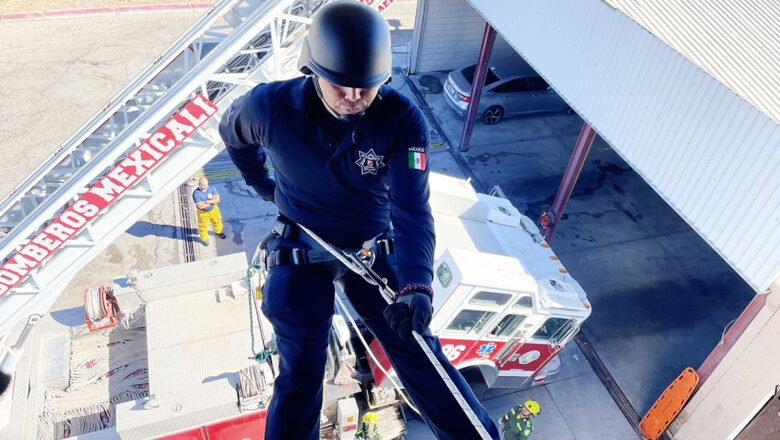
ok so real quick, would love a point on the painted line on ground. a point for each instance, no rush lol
(56, 13)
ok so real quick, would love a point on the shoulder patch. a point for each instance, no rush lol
(417, 158)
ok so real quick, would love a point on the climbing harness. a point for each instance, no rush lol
(283, 228)
(357, 265)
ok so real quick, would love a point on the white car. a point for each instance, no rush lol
(509, 90)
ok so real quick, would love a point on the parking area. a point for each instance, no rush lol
(661, 295)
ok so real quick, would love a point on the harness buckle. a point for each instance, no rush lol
(298, 256)
(282, 228)
(385, 246)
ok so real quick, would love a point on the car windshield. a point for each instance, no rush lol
(468, 73)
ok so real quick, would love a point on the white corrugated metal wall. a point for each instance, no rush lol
(439, 24)
(710, 154)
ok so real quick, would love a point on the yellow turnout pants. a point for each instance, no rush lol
(204, 217)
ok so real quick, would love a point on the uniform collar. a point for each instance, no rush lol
(303, 96)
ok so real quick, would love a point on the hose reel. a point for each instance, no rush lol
(101, 308)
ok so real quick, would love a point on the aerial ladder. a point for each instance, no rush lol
(234, 46)
(163, 125)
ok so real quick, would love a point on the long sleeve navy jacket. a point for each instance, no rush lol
(346, 192)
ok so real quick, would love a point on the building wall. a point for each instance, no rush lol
(712, 156)
(741, 383)
(447, 36)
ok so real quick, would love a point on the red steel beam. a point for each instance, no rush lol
(731, 337)
(576, 161)
(476, 87)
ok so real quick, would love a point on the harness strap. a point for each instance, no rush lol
(283, 228)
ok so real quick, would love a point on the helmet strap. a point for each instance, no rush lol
(344, 118)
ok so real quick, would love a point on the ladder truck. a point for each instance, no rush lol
(131, 363)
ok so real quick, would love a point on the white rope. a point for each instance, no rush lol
(252, 388)
(371, 353)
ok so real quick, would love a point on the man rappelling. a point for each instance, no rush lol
(350, 163)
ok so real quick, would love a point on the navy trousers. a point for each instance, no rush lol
(299, 302)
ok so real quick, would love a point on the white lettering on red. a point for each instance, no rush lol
(156, 139)
(59, 231)
(146, 148)
(34, 251)
(452, 351)
(179, 130)
(106, 189)
(122, 177)
(20, 265)
(192, 119)
(48, 243)
(207, 107)
(84, 207)
(73, 219)
(8, 278)
(135, 161)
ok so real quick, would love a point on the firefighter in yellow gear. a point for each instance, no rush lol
(516, 424)
(368, 429)
(206, 199)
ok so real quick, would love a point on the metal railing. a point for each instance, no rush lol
(234, 46)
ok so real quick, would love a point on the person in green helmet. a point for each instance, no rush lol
(516, 424)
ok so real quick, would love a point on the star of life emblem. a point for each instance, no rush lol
(369, 162)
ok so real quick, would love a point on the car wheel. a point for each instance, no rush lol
(492, 115)
(568, 110)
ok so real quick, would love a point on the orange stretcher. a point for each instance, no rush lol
(666, 408)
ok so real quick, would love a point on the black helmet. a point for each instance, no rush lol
(348, 44)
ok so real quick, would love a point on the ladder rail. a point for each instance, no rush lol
(139, 127)
(113, 106)
(37, 292)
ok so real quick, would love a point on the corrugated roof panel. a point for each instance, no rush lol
(708, 152)
(738, 43)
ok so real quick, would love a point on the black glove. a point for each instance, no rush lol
(411, 311)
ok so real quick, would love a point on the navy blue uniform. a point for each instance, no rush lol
(347, 183)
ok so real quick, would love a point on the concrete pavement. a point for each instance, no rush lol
(57, 73)
(54, 77)
(661, 295)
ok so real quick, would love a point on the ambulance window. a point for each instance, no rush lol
(470, 321)
(553, 328)
(523, 303)
(507, 326)
(490, 299)
(444, 274)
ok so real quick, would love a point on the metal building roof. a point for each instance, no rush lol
(737, 42)
(712, 155)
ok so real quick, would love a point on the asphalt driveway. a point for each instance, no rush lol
(661, 295)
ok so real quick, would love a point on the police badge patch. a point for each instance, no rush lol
(369, 162)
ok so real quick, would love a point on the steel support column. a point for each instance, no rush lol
(730, 338)
(476, 86)
(577, 160)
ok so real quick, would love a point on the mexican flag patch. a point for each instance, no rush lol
(417, 160)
